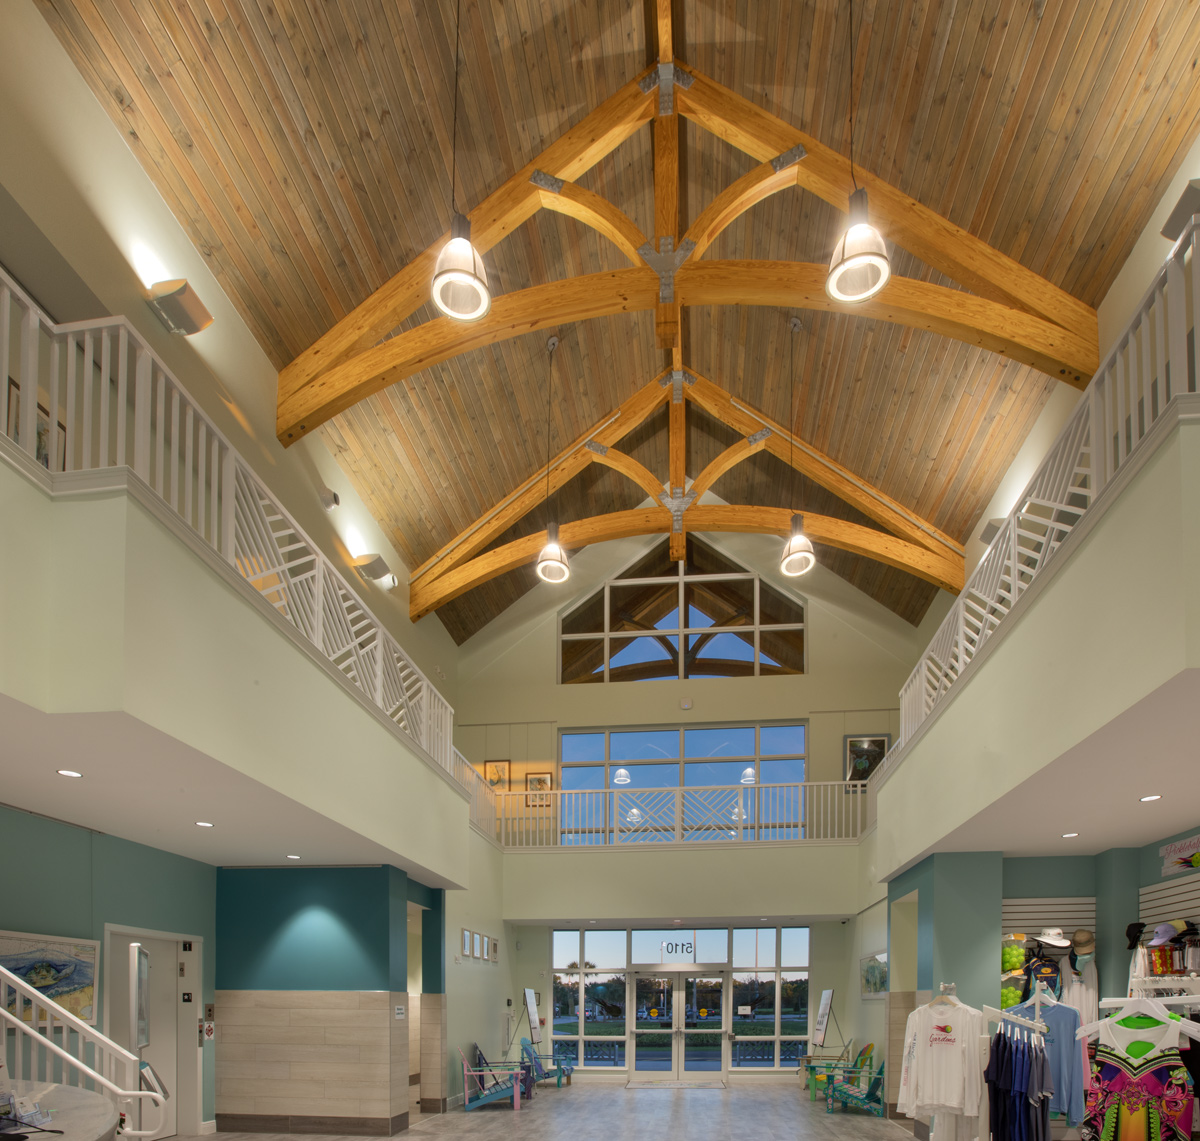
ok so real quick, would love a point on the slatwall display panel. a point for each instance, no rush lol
(1031, 916)
(1173, 899)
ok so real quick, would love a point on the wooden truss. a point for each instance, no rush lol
(1010, 310)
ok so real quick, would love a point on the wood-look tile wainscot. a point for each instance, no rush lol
(310, 1062)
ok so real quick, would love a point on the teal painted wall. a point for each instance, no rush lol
(397, 930)
(967, 898)
(304, 928)
(433, 944)
(1116, 907)
(1037, 877)
(919, 879)
(85, 879)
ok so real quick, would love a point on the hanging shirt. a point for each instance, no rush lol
(1039, 1093)
(1081, 990)
(1064, 1057)
(940, 1072)
(1140, 1090)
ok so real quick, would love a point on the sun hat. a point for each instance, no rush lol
(1165, 932)
(1054, 936)
(1084, 941)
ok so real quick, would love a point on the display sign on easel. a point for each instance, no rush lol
(822, 1017)
(535, 1027)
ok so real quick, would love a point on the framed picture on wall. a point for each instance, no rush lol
(466, 943)
(496, 774)
(864, 754)
(63, 970)
(873, 975)
(495, 950)
(487, 950)
(537, 788)
(478, 945)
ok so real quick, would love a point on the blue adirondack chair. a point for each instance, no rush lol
(485, 1084)
(847, 1092)
(557, 1069)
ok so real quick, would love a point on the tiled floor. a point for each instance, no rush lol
(613, 1113)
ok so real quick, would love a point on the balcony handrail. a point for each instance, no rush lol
(1148, 368)
(796, 812)
(116, 404)
(48, 1020)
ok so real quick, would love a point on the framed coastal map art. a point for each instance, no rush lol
(61, 970)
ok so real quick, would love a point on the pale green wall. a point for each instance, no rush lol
(979, 748)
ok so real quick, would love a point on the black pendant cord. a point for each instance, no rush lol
(795, 326)
(454, 126)
(851, 28)
(551, 345)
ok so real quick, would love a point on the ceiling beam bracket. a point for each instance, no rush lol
(598, 448)
(783, 161)
(545, 181)
(759, 436)
(665, 262)
(676, 378)
(677, 503)
(666, 79)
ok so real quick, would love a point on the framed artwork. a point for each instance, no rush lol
(466, 943)
(863, 755)
(537, 785)
(487, 949)
(495, 950)
(478, 945)
(42, 446)
(496, 774)
(873, 975)
(63, 970)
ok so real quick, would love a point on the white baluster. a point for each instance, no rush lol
(1176, 326)
(121, 410)
(27, 403)
(142, 396)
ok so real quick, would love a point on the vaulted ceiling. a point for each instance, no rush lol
(306, 148)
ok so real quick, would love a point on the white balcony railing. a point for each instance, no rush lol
(812, 811)
(1151, 364)
(117, 405)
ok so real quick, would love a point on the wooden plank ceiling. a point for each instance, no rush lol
(306, 149)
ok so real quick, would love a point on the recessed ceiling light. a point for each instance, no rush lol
(1147, 799)
(203, 824)
(676, 920)
(293, 857)
(69, 773)
(1069, 835)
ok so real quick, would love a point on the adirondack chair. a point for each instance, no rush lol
(526, 1073)
(822, 1070)
(482, 1085)
(848, 1092)
(558, 1069)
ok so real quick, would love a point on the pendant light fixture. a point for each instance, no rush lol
(552, 565)
(798, 557)
(859, 267)
(460, 288)
(621, 776)
(748, 776)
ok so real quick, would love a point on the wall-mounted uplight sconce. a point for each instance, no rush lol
(178, 307)
(329, 499)
(374, 568)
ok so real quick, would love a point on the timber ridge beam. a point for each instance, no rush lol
(1011, 311)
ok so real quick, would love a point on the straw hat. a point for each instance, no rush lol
(1084, 942)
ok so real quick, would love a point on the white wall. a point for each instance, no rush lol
(69, 168)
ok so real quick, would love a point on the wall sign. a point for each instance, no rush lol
(1181, 856)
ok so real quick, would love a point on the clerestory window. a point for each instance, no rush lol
(701, 617)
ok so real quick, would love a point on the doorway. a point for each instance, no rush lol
(174, 1010)
(680, 1028)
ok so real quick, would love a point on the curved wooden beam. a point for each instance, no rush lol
(944, 571)
(628, 466)
(730, 457)
(432, 593)
(974, 320)
(512, 314)
(845, 484)
(501, 212)
(935, 240)
(736, 199)
(598, 213)
(567, 464)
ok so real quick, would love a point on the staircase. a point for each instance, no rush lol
(43, 1042)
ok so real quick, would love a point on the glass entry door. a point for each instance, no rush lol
(679, 1032)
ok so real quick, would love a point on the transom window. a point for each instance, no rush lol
(703, 616)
